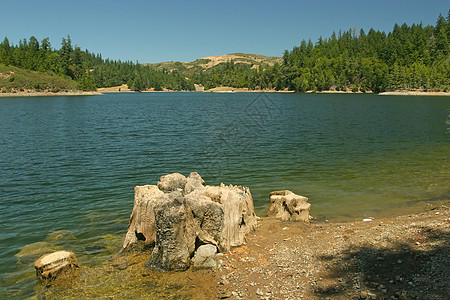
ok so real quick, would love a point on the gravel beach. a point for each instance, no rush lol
(405, 257)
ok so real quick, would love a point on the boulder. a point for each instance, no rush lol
(287, 206)
(60, 263)
(179, 215)
(205, 257)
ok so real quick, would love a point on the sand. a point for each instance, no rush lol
(115, 89)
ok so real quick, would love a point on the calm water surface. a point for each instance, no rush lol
(68, 165)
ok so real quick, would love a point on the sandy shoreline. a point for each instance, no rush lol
(223, 89)
(115, 89)
(227, 89)
(38, 94)
(414, 93)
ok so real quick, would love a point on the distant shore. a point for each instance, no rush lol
(227, 89)
(394, 93)
(37, 94)
(222, 89)
(414, 93)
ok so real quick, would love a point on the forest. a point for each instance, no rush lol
(411, 57)
(408, 58)
(89, 71)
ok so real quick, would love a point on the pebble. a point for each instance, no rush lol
(259, 292)
(224, 294)
(367, 295)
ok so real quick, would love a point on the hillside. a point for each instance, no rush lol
(14, 80)
(77, 69)
(206, 63)
(237, 70)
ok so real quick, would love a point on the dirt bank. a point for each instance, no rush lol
(404, 257)
(115, 89)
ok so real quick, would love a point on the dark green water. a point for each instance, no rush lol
(68, 165)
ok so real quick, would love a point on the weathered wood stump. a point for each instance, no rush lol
(57, 264)
(180, 214)
(287, 206)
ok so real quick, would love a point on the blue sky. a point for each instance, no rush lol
(155, 31)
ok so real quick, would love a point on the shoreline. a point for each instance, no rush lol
(387, 257)
(39, 94)
(414, 93)
(224, 90)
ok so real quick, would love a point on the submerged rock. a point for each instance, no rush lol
(287, 206)
(54, 241)
(60, 236)
(31, 252)
(50, 266)
(180, 214)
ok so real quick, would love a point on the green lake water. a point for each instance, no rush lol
(68, 165)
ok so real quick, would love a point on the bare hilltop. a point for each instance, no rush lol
(205, 63)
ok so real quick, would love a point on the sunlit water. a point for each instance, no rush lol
(68, 165)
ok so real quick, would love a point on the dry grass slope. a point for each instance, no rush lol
(211, 61)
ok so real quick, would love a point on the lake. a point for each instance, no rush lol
(68, 165)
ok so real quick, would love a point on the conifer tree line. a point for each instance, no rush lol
(412, 57)
(408, 58)
(89, 70)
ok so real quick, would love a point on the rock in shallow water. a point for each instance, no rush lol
(53, 265)
(180, 214)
